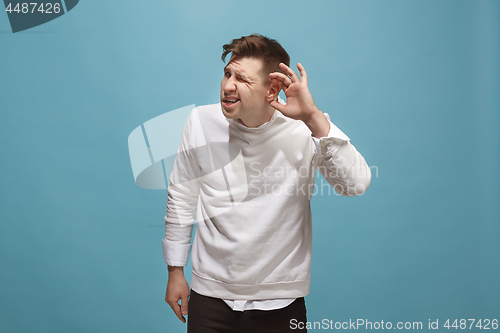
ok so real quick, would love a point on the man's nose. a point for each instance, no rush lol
(229, 85)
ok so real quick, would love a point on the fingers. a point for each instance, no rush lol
(178, 309)
(303, 74)
(277, 105)
(293, 76)
(282, 78)
(184, 304)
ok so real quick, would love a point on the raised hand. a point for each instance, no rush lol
(299, 101)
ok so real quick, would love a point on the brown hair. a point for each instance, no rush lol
(260, 47)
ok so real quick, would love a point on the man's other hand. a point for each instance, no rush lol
(177, 289)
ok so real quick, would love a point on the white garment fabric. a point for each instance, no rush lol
(253, 242)
(266, 304)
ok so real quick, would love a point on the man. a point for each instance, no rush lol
(245, 168)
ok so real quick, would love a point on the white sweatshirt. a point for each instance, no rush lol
(250, 189)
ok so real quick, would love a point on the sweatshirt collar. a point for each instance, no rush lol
(276, 114)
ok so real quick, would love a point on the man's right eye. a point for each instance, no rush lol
(227, 74)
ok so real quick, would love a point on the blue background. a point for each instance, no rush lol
(415, 84)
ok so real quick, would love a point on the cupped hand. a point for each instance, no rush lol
(299, 101)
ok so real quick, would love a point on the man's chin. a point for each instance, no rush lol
(230, 114)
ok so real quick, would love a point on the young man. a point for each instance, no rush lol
(245, 172)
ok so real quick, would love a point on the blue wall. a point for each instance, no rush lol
(415, 84)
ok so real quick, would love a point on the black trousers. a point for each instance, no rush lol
(213, 315)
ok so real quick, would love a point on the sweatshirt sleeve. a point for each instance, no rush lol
(340, 163)
(183, 191)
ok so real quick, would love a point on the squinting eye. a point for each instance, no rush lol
(227, 74)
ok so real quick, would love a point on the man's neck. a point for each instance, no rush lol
(257, 122)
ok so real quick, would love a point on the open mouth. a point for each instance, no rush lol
(230, 101)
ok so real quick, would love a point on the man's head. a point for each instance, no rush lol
(245, 88)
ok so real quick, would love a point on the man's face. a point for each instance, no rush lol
(244, 91)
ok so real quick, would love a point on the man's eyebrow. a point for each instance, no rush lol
(243, 76)
(238, 73)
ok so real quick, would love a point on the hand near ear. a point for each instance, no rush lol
(299, 101)
(300, 104)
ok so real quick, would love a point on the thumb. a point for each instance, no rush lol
(277, 105)
(184, 305)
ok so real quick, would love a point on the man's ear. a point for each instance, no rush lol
(274, 90)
